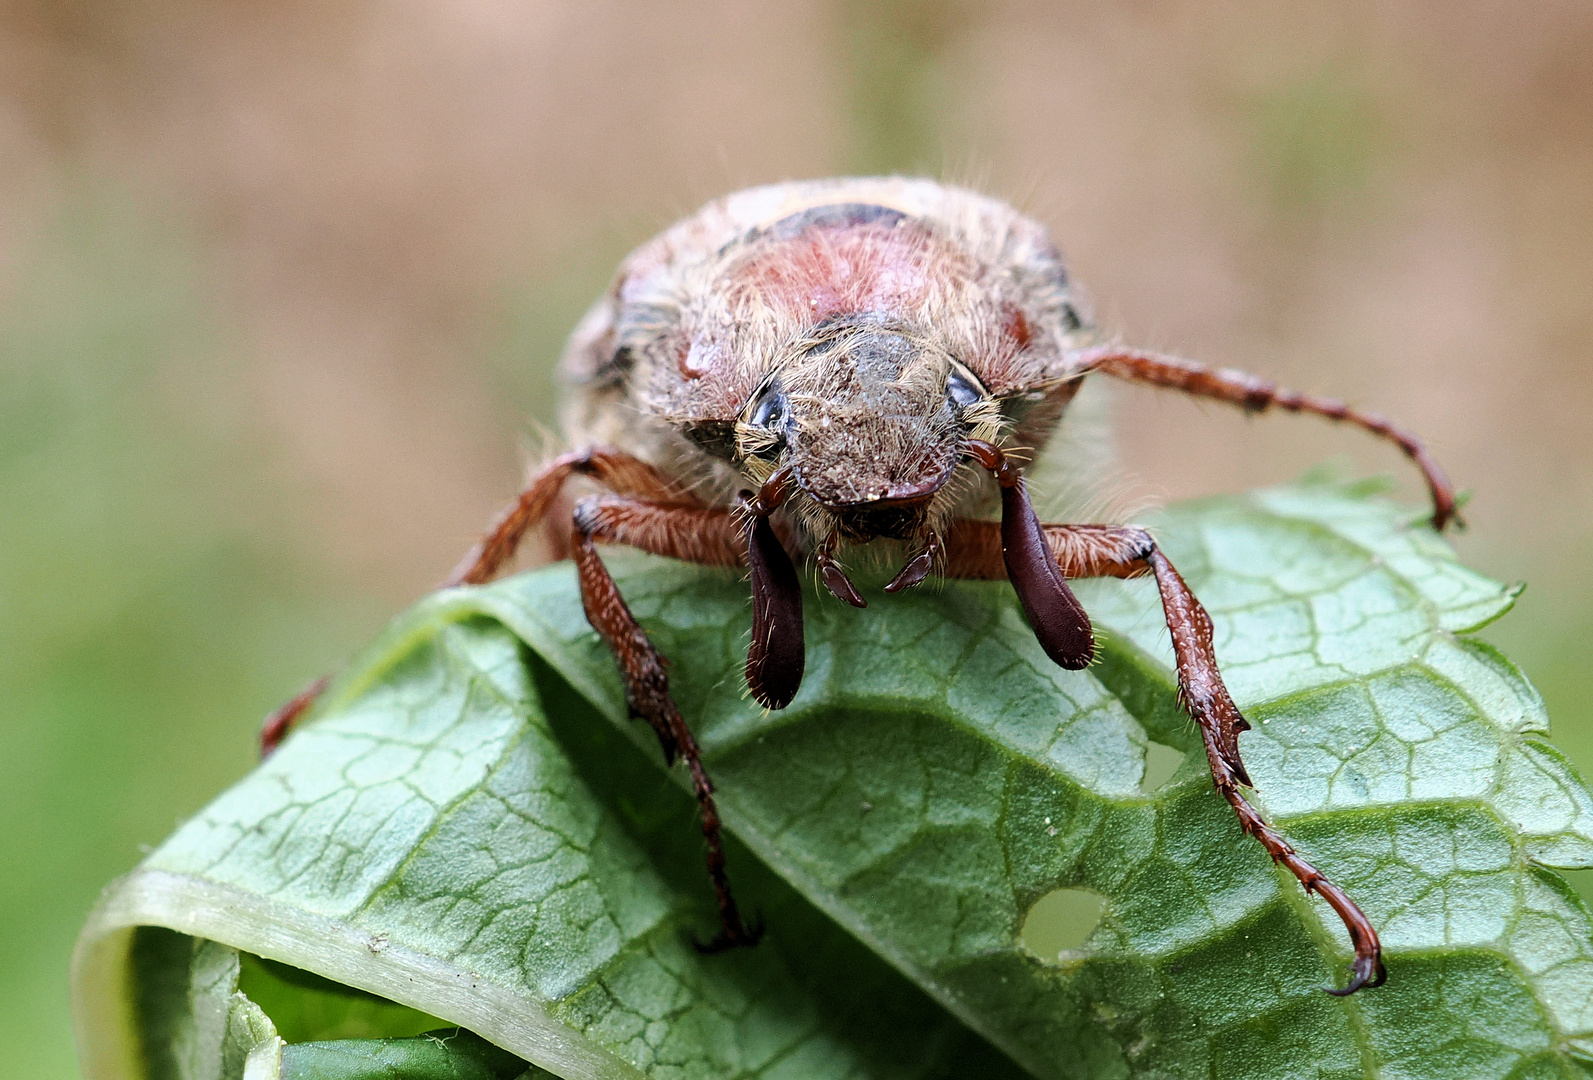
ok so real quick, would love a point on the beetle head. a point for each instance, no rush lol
(869, 415)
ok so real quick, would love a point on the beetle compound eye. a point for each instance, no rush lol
(963, 391)
(770, 412)
(761, 432)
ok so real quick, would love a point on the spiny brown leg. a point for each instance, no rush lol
(1257, 395)
(682, 532)
(615, 469)
(973, 550)
(275, 727)
(690, 532)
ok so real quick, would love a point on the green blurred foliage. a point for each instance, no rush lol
(898, 85)
(147, 619)
(1316, 138)
(534, 315)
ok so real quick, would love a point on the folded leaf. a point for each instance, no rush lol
(474, 828)
(430, 841)
(441, 1055)
(936, 777)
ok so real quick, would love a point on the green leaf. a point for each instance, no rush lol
(305, 1007)
(197, 1024)
(432, 842)
(440, 1055)
(934, 781)
(200, 1023)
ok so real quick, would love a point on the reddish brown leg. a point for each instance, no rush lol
(275, 727)
(697, 534)
(1257, 395)
(973, 550)
(615, 469)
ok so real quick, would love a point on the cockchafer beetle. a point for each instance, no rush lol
(804, 368)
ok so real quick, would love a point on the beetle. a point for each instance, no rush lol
(804, 369)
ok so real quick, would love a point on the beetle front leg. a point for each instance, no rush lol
(974, 550)
(1207, 700)
(642, 668)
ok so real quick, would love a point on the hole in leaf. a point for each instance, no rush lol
(1061, 921)
(1161, 761)
(1582, 882)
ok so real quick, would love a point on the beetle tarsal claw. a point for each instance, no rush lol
(1368, 972)
(730, 938)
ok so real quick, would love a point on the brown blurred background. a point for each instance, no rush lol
(280, 285)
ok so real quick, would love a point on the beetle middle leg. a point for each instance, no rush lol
(974, 550)
(614, 469)
(1257, 395)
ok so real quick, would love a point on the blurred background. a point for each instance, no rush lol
(281, 285)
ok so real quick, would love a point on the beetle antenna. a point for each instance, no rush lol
(1054, 613)
(776, 656)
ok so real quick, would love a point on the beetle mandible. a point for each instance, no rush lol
(804, 368)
